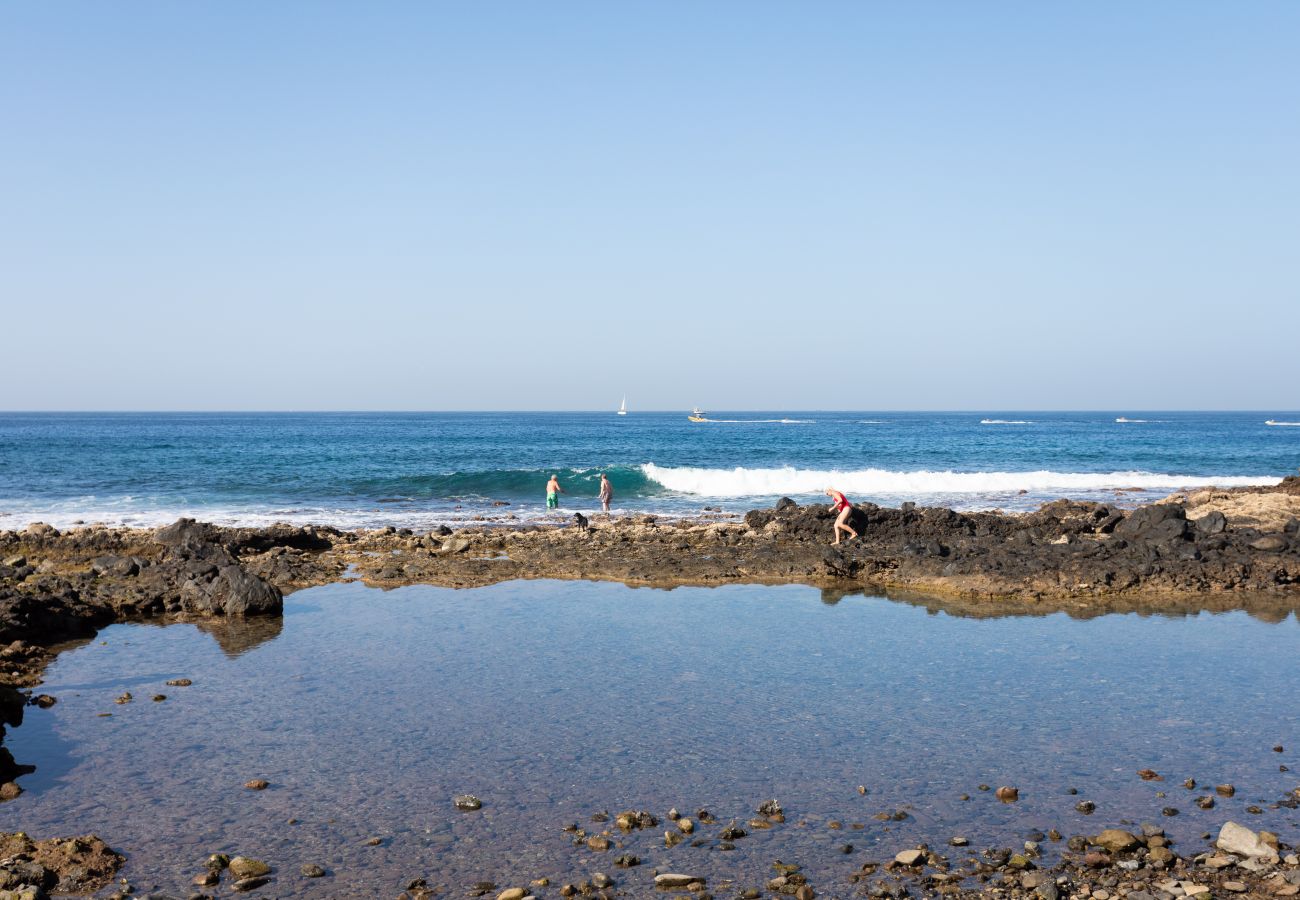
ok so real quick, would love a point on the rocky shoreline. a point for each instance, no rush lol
(1209, 550)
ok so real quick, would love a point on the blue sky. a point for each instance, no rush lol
(759, 205)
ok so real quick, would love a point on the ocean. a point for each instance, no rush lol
(422, 469)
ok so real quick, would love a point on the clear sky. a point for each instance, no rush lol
(749, 205)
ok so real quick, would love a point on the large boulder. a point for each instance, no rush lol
(1158, 522)
(232, 592)
(185, 534)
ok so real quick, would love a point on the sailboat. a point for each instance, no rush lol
(622, 407)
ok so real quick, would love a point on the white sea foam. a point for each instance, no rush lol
(742, 482)
(1005, 422)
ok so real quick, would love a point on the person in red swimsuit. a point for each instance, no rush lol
(843, 509)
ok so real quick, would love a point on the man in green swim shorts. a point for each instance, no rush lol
(553, 492)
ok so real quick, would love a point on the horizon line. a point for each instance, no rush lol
(720, 409)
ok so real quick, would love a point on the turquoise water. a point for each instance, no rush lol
(368, 710)
(418, 469)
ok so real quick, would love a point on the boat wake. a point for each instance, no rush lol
(1005, 422)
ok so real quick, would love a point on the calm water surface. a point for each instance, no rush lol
(367, 711)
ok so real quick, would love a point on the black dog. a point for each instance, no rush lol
(581, 521)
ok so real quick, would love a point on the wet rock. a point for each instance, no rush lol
(773, 808)
(44, 701)
(910, 857)
(958, 841)
(1087, 807)
(206, 879)
(627, 861)
(159, 698)
(179, 682)
(467, 802)
(1150, 775)
(311, 870)
(686, 825)
(257, 784)
(10, 790)
(1007, 794)
(512, 894)
(248, 867)
(676, 879)
(1190, 784)
(1225, 790)
(601, 880)
(217, 861)
(598, 842)
(732, 832)
(249, 883)
(1169, 811)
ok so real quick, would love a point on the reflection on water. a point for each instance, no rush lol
(551, 701)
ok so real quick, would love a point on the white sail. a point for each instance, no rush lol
(622, 407)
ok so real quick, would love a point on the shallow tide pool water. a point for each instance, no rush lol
(367, 711)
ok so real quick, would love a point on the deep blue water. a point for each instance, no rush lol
(419, 468)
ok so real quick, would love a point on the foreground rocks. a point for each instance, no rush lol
(79, 865)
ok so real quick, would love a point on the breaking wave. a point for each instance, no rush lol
(743, 482)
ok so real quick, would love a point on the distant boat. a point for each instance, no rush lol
(1287, 424)
(622, 407)
(697, 415)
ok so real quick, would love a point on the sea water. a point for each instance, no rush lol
(368, 711)
(420, 469)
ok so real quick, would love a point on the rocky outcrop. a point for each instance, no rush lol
(78, 865)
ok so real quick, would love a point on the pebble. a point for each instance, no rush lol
(910, 857)
(1235, 886)
(598, 842)
(1087, 807)
(1206, 802)
(179, 682)
(1008, 794)
(311, 870)
(159, 698)
(958, 841)
(1225, 790)
(207, 879)
(686, 825)
(675, 879)
(257, 784)
(512, 894)
(374, 841)
(467, 802)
